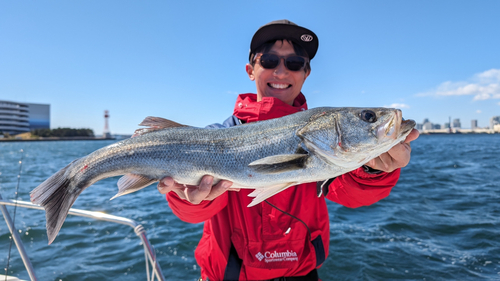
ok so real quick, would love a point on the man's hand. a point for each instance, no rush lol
(396, 157)
(195, 194)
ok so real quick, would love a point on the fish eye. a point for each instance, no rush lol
(368, 116)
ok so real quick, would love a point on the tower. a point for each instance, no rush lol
(106, 134)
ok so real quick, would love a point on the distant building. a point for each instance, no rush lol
(17, 117)
(473, 124)
(446, 125)
(427, 125)
(14, 117)
(39, 116)
(456, 123)
(495, 120)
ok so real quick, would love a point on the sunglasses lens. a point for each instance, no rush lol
(269, 61)
(295, 63)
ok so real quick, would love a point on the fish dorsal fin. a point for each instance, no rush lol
(262, 194)
(279, 163)
(131, 183)
(155, 124)
(160, 123)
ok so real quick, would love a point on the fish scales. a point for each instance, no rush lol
(267, 156)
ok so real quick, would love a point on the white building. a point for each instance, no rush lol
(17, 117)
(473, 124)
(495, 120)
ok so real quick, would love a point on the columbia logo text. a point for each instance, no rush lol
(275, 256)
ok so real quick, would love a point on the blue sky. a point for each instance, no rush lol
(185, 60)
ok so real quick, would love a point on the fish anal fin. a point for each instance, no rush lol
(279, 163)
(262, 194)
(131, 183)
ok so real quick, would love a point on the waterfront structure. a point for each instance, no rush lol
(17, 117)
(14, 117)
(106, 134)
(39, 116)
(456, 123)
(495, 120)
(427, 125)
(473, 124)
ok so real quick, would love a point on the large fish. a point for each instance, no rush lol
(267, 156)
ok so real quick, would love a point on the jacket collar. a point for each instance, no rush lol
(248, 109)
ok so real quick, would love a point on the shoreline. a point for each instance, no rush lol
(456, 133)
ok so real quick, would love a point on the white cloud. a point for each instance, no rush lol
(483, 86)
(478, 111)
(397, 105)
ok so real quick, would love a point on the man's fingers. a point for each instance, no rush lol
(218, 189)
(412, 136)
(197, 194)
(166, 185)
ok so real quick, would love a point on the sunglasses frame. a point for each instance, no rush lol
(259, 57)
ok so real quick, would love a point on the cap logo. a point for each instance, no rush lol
(306, 38)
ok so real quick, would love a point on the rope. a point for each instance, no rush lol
(15, 208)
(139, 230)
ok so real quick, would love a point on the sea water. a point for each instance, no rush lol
(440, 222)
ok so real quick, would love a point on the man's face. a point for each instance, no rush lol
(280, 82)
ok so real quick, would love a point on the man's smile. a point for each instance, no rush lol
(279, 85)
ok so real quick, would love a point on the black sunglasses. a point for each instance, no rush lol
(293, 62)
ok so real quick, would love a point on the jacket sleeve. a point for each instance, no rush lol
(192, 213)
(359, 188)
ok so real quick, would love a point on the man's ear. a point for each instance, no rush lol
(307, 74)
(249, 70)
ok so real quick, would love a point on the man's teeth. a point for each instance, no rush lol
(279, 86)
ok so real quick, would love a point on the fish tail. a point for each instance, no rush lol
(55, 197)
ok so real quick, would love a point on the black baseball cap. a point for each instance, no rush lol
(285, 29)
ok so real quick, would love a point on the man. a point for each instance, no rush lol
(287, 235)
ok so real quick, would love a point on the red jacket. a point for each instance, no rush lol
(262, 242)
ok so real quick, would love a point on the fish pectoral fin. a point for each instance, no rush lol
(131, 183)
(155, 124)
(262, 194)
(279, 163)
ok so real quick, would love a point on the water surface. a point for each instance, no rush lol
(441, 221)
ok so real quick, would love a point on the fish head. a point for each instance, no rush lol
(350, 137)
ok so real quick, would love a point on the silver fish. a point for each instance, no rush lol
(267, 156)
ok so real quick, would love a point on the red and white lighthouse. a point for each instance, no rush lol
(106, 134)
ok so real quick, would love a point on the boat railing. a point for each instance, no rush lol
(149, 251)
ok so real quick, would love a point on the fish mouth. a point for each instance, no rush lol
(396, 127)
